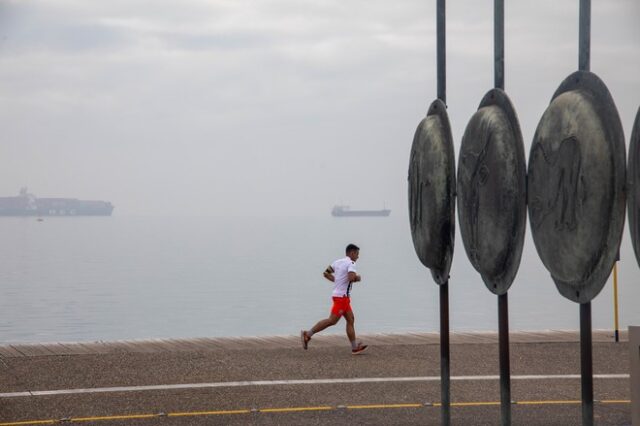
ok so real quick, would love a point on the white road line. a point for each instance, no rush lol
(297, 382)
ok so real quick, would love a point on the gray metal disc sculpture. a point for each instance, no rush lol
(633, 183)
(576, 186)
(492, 191)
(432, 188)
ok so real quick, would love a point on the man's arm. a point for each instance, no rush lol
(328, 274)
(354, 278)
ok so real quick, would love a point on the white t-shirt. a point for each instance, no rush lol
(341, 269)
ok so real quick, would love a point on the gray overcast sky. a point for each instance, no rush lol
(273, 106)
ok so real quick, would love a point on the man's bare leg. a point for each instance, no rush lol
(328, 322)
(356, 348)
(321, 325)
(351, 330)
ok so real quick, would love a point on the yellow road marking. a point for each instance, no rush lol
(297, 409)
(474, 404)
(208, 413)
(617, 401)
(293, 409)
(372, 406)
(122, 417)
(549, 402)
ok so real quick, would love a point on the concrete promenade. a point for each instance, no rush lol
(272, 381)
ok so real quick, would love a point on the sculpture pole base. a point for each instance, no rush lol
(505, 368)
(586, 364)
(445, 388)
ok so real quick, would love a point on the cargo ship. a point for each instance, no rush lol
(25, 204)
(341, 211)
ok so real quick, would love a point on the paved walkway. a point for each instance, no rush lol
(271, 380)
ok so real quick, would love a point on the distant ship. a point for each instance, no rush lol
(346, 211)
(26, 204)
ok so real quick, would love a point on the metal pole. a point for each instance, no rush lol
(441, 52)
(584, 59)
(445, 387)
(498, 43)
(586, 364)
(615, 302)
(503, 301)
(586, 355)
(505, 368)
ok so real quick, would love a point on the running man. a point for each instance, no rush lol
(343, 274)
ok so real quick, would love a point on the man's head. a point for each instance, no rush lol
(353, 252)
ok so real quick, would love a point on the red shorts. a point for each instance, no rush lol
(341, 305)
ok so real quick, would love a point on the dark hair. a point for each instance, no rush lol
(351, 247)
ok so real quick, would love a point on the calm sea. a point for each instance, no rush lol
(104, 278)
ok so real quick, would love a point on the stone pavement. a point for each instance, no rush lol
(271, 380)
